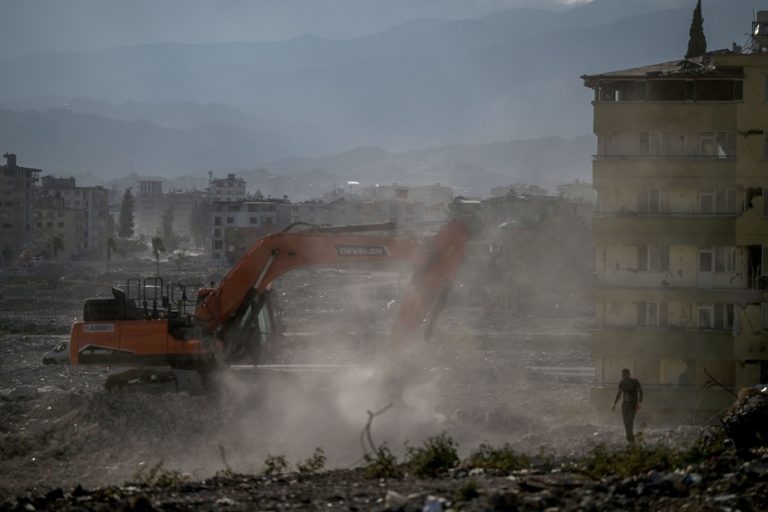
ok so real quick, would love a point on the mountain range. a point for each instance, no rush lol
(428, 82)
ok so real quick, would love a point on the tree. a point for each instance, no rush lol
(57, 245)
(697, 43)
(168, 236)
(157, 248)
(125, 224)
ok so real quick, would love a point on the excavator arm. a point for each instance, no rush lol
(436, 264)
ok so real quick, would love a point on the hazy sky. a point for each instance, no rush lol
(40, 25)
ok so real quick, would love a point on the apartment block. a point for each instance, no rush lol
(91, 201)
(229, 189)
(149, 207)
(681, 230)
(18, 193)
(60, 231)
(235, 226)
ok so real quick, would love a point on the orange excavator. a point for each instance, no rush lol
(198, 328)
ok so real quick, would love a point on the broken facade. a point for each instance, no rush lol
(680, 231)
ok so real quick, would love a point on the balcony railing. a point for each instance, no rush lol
(673, 215)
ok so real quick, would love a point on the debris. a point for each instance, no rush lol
(23, 392)
(746, 423)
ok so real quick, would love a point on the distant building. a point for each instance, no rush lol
(431, 195)
(182, 203)
(681, 229)
(229, 189)
(577, 191)
(342, 212)
(149, 207)
(235, 224)
(18, 193)
(92, 201)
(54, 220)
(519, 189)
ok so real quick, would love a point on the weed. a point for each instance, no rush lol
(632, 461)
(466, 492)
(503, 460)
(382, 465)
(314, 464)
(157, 476)
(275, 465)
(436, 456)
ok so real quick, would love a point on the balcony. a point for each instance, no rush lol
(668, 171)
(672, 294)
(663, 228)
(672, 115)
(662, 343)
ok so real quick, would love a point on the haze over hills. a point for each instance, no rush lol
(427, 82)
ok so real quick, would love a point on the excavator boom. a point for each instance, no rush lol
(227, 322)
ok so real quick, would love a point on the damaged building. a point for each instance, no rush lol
(681, 230)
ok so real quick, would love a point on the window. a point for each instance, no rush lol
(217, 233)
(653, 258)
(705, 316)
(723, 316)
(652, 314)
(61, 224)
(764, 306)
(254, 220)
(654, 143)
(707, 144)
(653, 201)
(725, 201)
(725, 259)
(218, 244)
(217, 221)
(707, 202)
(267, 221)
(230, 220)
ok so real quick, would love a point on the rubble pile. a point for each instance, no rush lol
(725, 482)
(746, 424)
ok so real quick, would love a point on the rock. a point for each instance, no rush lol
(434, 504)
(394, 501)
(19, 393)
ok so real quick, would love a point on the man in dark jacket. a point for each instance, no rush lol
(632, 393)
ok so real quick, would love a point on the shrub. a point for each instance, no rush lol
(382, 464)
(503, 459)
(157, 476)
(436, 456)
(275, 465)
(632, 461)
(466, 492)
(314, 464)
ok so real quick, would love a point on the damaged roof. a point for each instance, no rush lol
(694, 67)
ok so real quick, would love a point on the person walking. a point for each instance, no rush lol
(632, 394)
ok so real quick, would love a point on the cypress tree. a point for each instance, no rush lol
(125, 222)
(697, 43)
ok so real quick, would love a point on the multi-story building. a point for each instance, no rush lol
(182, 204)
(149, 208)
(681, 230)
(18, 193)
(236, 225)
(342, 212)
(229, 189)
(93, 202)
(60, 231)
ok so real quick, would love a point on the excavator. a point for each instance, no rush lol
(192, 327)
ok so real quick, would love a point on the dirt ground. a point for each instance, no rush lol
(486, 376)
